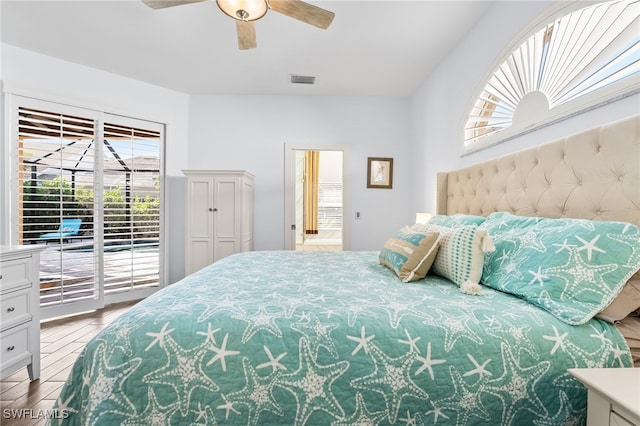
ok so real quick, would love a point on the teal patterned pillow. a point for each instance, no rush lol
(456, 220)
(572, 268)
(461, 254)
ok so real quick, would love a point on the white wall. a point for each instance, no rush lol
(439, 108)
(250, 132)
(29, 73)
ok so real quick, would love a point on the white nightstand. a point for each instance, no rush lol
(20, 309)
(614, 395)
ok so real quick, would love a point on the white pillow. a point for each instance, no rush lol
(461, 254)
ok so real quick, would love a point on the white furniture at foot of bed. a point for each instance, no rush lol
(614, 395)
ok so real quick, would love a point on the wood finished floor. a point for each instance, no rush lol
(61, 341)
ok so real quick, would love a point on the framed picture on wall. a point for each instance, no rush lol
(379, 172)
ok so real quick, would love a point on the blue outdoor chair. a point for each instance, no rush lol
(68, 228)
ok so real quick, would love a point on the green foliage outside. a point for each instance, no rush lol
(45, 203)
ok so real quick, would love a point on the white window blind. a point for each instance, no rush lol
(131, 185)
(95, 208)
(56, 155)
(329, 205)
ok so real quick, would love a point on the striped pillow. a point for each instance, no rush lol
(410, 254)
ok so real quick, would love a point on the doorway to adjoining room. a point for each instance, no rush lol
(318, 200)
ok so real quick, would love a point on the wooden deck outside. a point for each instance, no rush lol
(68, 270)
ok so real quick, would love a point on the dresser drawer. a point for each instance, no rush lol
(15, 274)
(15, 345)
(14, 308)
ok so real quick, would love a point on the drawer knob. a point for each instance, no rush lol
(11, 309)
(10, 348)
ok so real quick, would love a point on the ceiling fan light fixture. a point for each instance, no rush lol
(243, 10)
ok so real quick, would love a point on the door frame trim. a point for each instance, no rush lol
(289, 191)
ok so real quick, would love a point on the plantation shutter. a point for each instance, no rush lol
(131, 185)
(55, 179)
(88, 190)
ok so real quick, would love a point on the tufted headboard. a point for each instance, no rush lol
(589, 175)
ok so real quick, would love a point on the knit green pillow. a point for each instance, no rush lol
(461, 254)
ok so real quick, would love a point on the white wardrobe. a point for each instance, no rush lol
(219, 215)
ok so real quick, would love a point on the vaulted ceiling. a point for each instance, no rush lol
(372, 48)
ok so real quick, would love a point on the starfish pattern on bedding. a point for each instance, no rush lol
(589, 246)
(411, 421)
(465, 401)
(411, 342)
(363, 341)
(361, 415)
(480, 370)
(558, 340)
(391, 378)
(317, 333)
(289, 304)
(528, 240)
(516, 387)
(221, 353)
(397, 310)
(121, 330)
(274, 362)
(261, 320)
(566, 415)
(630, 240)
(183, 372)
(107, 378)
(268, 382)
(257, 394)
(63, 406)
(159, 336)
(228, 303)
(579, 276)
(154, 413)
(514, 335)
(356, 308)
(456, 327)
(311, 385)
(205, 414)
(427, 362)
(209, 334)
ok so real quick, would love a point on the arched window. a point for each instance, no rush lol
(577, 61)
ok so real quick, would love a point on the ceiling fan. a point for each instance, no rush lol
(245, 12)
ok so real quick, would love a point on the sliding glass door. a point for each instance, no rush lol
(94, 207)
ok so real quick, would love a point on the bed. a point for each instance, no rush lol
(328, 338)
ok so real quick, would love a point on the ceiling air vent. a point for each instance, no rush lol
(302, 79)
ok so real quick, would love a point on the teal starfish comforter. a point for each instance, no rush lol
(294, 338)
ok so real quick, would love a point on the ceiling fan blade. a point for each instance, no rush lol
(246, 35)
(304, 12)
(161, 4)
